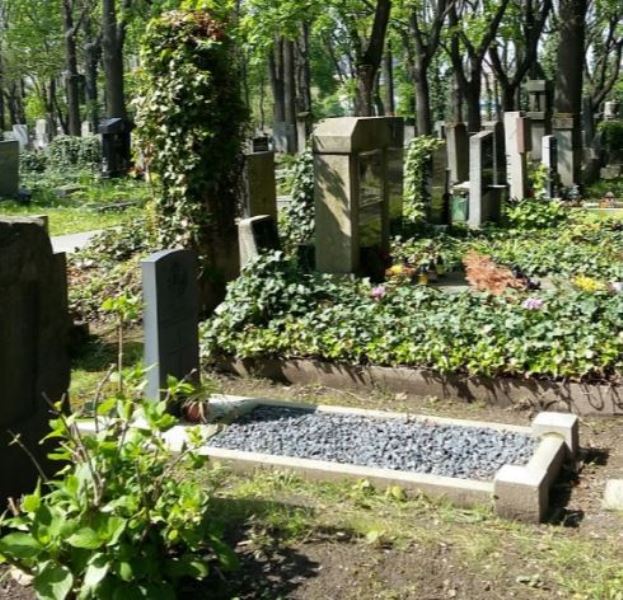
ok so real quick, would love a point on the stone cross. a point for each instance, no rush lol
(171, 318)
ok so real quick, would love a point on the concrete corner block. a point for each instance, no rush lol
(519, 493)
(613, 495)
(563, 424)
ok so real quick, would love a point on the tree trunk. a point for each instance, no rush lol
(71, 74)
(92, 55)
(379, 107)
(388, 72)
(304, 71)
(369, 62)
(568, 97)
(423, 122)
(275, 65)
(2, 104)
(289, 93)
(113, 34)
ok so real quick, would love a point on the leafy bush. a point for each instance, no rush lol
(32, 161)
(297, 226)
(71, 152)
(535, 214)
(119, 243)
(121, 518)
(270, 310)
(612, 137)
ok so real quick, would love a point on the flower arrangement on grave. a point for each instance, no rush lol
(485, 275)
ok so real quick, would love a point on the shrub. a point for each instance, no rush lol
(535, 214)
(121, 518)
(612, 137)
(32, 161)
(71, 152)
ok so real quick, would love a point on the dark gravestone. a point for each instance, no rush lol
(256, 235)
(116, 147)
(9, 168)
(34, 362)
(171, 318)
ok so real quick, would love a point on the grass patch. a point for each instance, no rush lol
(78, 210)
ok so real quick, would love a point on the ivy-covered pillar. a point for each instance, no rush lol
(190, 125)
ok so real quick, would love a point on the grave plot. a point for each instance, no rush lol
(468, 462)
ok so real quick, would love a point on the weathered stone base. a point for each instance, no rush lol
(579, 398)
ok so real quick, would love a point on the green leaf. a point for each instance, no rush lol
(97, 569)
(54, 582)
(19, 545)
(86, 538)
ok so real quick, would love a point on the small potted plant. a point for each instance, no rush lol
(193, 399)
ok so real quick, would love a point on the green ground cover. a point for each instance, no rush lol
(574, 330)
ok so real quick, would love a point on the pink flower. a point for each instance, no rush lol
(378, 292)
(532, 304)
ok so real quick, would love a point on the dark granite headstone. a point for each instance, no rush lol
(256, 235)
(171, 318)
(34, 361)
(9, 168)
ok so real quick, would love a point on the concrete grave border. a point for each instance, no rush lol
(580, 398)
(517, 492)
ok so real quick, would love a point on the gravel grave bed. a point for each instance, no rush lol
(398, 444)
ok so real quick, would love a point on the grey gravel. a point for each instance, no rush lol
(449, 450)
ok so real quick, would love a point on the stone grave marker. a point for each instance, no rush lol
(549, 155)
(499, 151)
(34, 360)
(457, 142)
(260, 188)
(539, 113)
(567, 134)
(9, 168)
(171, 318)
(612, 110)
(351, 191)
(42, 134)
(20, 133)
(517, 145)
(255, 235)
(86, 128)
(395, 172)
(284, 137)
(484, 202)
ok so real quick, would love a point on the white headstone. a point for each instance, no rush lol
(42, 136)
(517, 144)
(20, 131)
(549, 155)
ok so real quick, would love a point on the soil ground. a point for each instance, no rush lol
(309, 541)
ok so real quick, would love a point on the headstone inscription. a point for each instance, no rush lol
(9, 168)
(256, 235)
(351, 191)
(34, 361)
(517, 145)
(458, 152)
(550, 161)
(170, 320)
(260, 188)
(484, 201)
